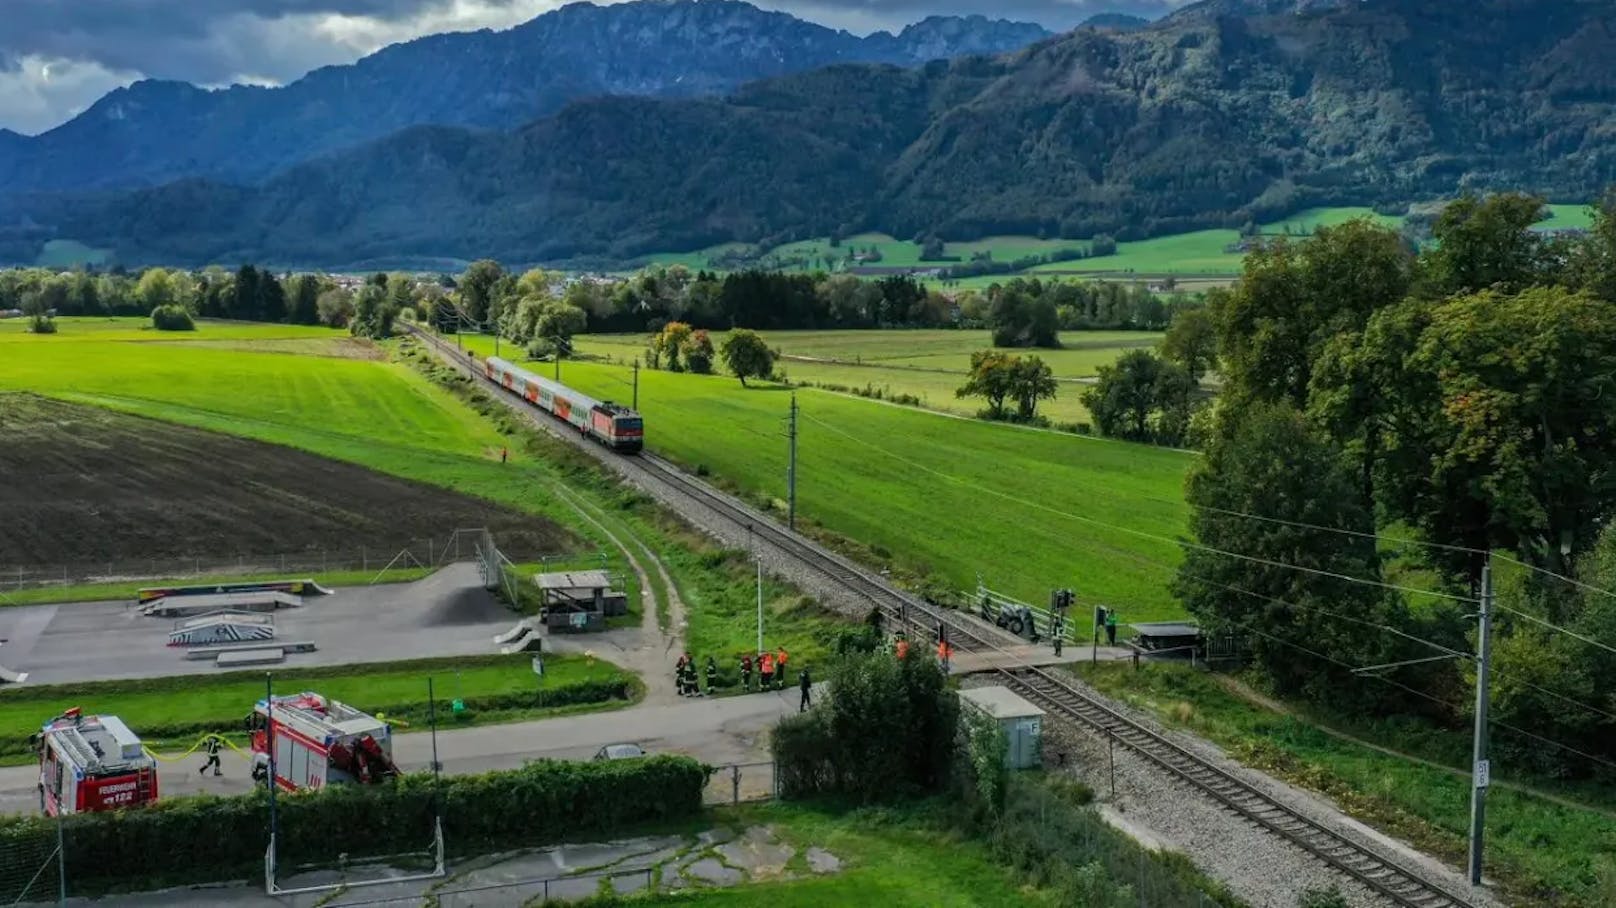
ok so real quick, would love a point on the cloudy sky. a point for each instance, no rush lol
(58, 56)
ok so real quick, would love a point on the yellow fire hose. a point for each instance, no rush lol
(174, 758)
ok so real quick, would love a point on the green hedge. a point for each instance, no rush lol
(616, 687)
(210, 839)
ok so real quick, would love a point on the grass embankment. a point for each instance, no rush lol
(1551, 843)
(927, 366)
(933, 495)
(128, 589)
(173, 712)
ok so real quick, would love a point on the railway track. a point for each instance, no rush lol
(1399, 884)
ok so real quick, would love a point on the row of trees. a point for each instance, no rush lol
(249, 293)
(1467, 392)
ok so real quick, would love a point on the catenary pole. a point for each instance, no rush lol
(791, 471)
(1480, 770)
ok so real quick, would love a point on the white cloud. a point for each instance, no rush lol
(39, 92)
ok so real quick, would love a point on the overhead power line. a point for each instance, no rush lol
(1141, 533)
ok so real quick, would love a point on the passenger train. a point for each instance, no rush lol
(614, 426)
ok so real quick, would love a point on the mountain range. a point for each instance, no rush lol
(1224, 111)
(155, 131)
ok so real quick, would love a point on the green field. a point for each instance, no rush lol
(1195, 252)
(385, 415)
(1542, 837)
(175, 711)
(928, 364)
(939, 495)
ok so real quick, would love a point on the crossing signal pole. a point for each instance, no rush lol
(636, 404)
(791, 470)
(1480, 771)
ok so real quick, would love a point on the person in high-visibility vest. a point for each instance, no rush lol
(901, 649)
(765, 670)
(780, 669)
(211, 748)
(944, 651)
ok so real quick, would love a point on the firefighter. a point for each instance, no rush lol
(210, 746)
(806, 683)
(504, 454)
(765, 670)
(712, 675)
(1032, 627)
(679, 674)
(1058, 631)
(1111, 627)
(900, 646)
(780, 669)
(746, 672)
(944, 651)
(691, 689)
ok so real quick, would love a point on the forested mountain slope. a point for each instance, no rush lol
(1223, 112)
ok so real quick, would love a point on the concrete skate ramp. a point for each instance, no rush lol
(190, 605)
(517, 632)
(7, 676)
(529, 642)
(462, 607)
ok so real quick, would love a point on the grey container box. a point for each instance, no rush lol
(1023, 723)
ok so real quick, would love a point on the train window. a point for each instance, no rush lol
(630, 423)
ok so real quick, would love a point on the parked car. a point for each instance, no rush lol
(620, 752)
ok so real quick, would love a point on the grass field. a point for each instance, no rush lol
(935, 494)
(180, 709)
(1195, 252)
(1563, 843)
(889, 858)
(928, 364)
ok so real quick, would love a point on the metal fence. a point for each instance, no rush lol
(737, 783)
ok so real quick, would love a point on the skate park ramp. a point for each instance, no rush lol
(518, 632)
(293, 587)
(7, 676)
(529, 642)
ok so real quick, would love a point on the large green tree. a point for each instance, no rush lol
(303, 291)
(1519, 442)
(1294, 297)
(1192, 341)
(477, 288)
(747, 355)
(1481, 244)
(1141, 397)
(1275, 465)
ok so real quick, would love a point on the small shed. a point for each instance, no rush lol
(579, 600)
(1023, 723)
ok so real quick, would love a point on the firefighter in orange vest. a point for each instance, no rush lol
(765, 670)
(780, 669)
(944, 652)
(901, 647)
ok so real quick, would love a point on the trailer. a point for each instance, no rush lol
(92, 763)
(319, 742)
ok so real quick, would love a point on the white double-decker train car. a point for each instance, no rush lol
(615, 426)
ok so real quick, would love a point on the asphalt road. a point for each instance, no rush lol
(723, 730)
(445, 614)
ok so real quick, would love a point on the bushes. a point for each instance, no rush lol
(542, 802)
(886, 731)
(172, 318)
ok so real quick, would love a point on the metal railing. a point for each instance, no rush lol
(738, 783)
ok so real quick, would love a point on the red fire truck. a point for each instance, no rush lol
(319, 742)
(89, 763)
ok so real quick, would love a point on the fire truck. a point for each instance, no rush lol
(89, 763)
(319, 742)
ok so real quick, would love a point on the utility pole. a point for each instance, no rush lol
(1481, 771)
(791, 471)
(760, 603)
(636, 404)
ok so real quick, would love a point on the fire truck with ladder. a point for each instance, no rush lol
(319, 742)
(91, 763)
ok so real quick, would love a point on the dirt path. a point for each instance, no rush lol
(1257, 698)
(650, 650)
